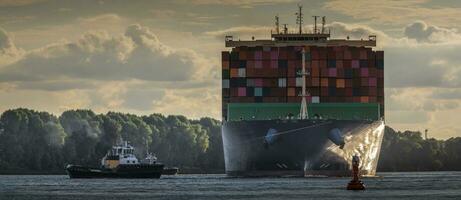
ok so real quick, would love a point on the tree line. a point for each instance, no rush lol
(39, 141)
(409, 151)
(32, 141)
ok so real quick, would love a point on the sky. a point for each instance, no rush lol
(143, 56)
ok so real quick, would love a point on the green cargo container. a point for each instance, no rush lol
(225, 74)
(258, 92)
(268, 111)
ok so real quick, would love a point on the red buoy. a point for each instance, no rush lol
(355, 183)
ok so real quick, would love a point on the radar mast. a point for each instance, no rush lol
(299, 18)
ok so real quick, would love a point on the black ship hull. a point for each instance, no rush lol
(300, 147)
(122, 171)
(170, 171)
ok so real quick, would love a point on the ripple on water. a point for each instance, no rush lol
(413, 185)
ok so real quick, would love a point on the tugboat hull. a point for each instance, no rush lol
(122, 171)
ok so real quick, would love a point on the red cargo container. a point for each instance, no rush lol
(291, 82)
(291, 92)
(324, 72)
(242, 55)
(323, 63)
(348, 83)
(315, 71)
(379, 55)
(225, 64)
(347, 64)
(373, 91)
(316, 82)
(283, 54)
(339, 64)
(225, 56)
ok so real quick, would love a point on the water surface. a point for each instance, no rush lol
(408, 185)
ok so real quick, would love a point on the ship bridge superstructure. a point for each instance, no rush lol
(122, 153)
(315, 37)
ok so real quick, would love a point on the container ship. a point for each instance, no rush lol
(301, 103)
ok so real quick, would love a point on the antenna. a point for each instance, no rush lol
(277, 24)
(315, 23)
(285, 28)
(299, 18)
(323, 24)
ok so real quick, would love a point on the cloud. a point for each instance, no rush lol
(243, 32)
(108, 19)
(420, 108)
(393, 12)
(50, 101)
(8, 51)
(194, 103)
(357, 31)
(133, 72)
(138, 54)
(164, 13)
(240, 3)
(192, 19)
(407, 117)
(13, 3)
(451, 93)
(422, 32)
(435, 65)
(55, 85)
(37, 36)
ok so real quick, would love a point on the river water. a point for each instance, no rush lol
(407, 185)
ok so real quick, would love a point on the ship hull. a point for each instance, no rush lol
(122, 171)
(300, 147)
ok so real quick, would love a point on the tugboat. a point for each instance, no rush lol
(170, 171)
(119, 162)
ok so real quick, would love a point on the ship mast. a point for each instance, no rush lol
(303, 111)
(277, 25)
(323, 24)
(299, 18)
(315, 23)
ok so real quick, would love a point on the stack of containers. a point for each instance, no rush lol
(272, 75)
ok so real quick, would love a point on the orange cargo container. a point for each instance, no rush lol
(234, 73)
(340, 83)
(364, 99)
(324, 82)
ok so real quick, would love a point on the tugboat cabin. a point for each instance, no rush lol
(119, 155)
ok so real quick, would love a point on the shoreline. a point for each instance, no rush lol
(2, 172)
(63, 172)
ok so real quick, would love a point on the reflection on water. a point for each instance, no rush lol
(428, 185)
